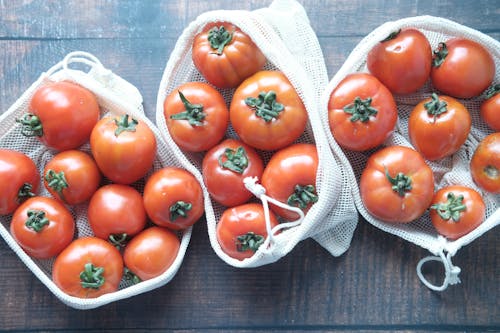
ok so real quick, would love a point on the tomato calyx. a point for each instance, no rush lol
(400, 184)
(92, 277)
(219, 37)
(236, 160)
(360, 109)
(25, 192)
(451, 208)
(435, 106)
(36, 220)
(302, 196)
(249, 241)
(124, 124)
(391, 36)
(56, 181)
(492, 91)
(31, 125)
(131, 276)
(265, 105)
(180, 209)
(118, 240)
(193, 114)
(440, 54)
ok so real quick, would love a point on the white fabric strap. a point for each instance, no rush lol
(450, 271)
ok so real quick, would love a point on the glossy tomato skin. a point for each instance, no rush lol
(152, 252)
(72, 261)
(377, 194)
(40, 239)
(352, 128)
(191, 129)
(438, 135)
(19, 179)
(277, 131)
(67, 113)
(225, 181)
(173, 198)
(470, 211)
(123, 157)
(490, 109)
(289, 168)
(467, 70)
(485, 163)
(72, 176)
(240, 221)
(228, 66)
(402, 62)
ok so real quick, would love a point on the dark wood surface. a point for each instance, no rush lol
(373, 287)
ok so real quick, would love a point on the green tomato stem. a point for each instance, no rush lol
(361, 109)
(193, 114)
(302, 196)
(219, 37)
(249, 241)
(92, 277)
(440, 55)
(179, 209)
(400, 184)
(236, 160)
(451, 208)
(36, 220)
(31, 125)
(265, 105)
(124, 124)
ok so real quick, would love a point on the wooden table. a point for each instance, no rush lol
(373, 287)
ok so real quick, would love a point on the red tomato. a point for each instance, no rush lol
(462, 68)
(362, 112)
(89, 267)
(456, 210)
(242, 230)
(490, 108)
(19, 180)
(396, 185)
(290, 177)
(72, 176)
(266, 112)
(116, 212)
(151, 253)
(43, 227)
(438, 126)
(402, 61)
(225, 167)
(124, 148)
(196, 116)
(485, 163)
(62, 115)
(225, 55)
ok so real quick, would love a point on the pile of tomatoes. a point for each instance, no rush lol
(397, 184)
(134, 227)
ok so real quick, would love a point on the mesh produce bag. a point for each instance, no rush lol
(115, 96)
(448, 171)
(283, 34)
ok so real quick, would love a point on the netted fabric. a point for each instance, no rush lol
(115, 96)
(283, 34)
(448, 171)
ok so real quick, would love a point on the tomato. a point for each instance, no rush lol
(485, 163)
(396, 185)
(438, 126)
(173, 198)
(42, 226)
(241, 230)
(290, 177)
(362, 112)
(151, 253)
(72, 176)
(225, 167)
(89, 267)
(490, 108)
(456, 210)
(116, 212)
(402, 61)
(225, 55)
(61, 115)
(19, 180)
(462, 68)
(124, 148)
(266, 112)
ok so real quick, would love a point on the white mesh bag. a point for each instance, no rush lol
(449, 171)
(283, 34)
(115, 96)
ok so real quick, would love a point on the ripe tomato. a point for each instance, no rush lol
(72, 176)
(490, 108)
(462, 68)
(362, 112)
(151, 253)
(62, 115)
(196, 116)
(402, 61)
(456, 210)
(225, 55)
(43, 227)
(438, 126)
(242, 230)
(225, 166)
(396, 185)
(89, 267)
(173, 198)
(116, 212)
(124, 148)
(485, 163)
(290, 177)
(266, 112)
(19, 180)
